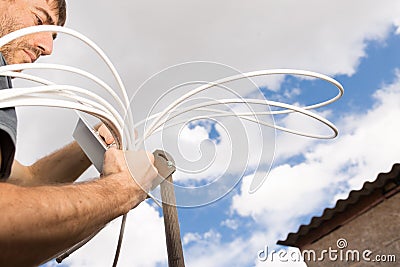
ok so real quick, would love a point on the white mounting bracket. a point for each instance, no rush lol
(90, 142)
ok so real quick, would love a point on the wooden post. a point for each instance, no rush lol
(166, 166)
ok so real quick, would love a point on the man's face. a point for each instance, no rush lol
(18, 14)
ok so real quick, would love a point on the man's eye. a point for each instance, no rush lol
(39, 21)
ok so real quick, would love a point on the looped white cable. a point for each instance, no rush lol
(5, 70)
(173, 106)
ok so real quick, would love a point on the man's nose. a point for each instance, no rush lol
(44, 42)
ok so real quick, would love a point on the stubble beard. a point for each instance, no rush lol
(8, 25)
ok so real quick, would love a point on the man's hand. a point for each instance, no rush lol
(107, 136)
(134, 168)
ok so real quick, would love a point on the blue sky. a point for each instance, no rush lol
(376, 69)
(359, 48)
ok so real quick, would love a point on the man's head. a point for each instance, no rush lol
(61, 11)
(17, 14)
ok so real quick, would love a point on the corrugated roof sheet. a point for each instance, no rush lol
(383, 184)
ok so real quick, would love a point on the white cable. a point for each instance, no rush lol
(247, 116)
(28, 77)
(60, 90)
(61, 104)
(101, 104)
(5, 70)
(288, 108)
(266, 103)
(173, 105)
(25, 76)
(28, 66)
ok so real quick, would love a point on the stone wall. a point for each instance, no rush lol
(373, 233)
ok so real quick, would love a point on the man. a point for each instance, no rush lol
(38, 218)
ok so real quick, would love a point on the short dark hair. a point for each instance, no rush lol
(61, 7)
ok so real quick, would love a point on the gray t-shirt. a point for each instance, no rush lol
(8, 129)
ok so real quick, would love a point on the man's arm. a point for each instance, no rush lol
(39, 222)
(62, 166)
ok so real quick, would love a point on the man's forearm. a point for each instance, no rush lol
(62, 166)
(42, 221)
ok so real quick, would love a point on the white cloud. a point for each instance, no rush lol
(368, 146)
(211, 251)
(187, 138)
(143, 245)
(397, 24)
(190, 237)
(288, 144)
(144, 37)
(201, 158)
(232, 224)
(36, 137)
(291, 93)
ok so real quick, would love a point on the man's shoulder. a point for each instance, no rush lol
(5, 82)
(2, 60)
(8, 129)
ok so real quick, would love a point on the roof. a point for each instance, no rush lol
(357, 203)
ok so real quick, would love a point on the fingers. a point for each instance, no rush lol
(136, 166)
(106, 134)
(114, 161)
(141, 166)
